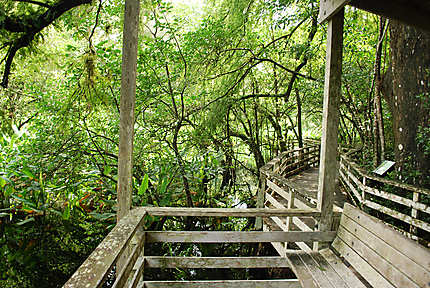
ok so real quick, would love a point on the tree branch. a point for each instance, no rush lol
(35, 3)
(30, 27)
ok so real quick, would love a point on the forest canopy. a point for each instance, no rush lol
(222, 87)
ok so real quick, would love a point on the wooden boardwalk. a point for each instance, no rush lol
(308, 182)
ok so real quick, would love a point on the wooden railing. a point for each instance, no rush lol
(276, 191)
(129, 235)
(287, 164)
(403, 203)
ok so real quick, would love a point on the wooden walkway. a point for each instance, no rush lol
(308, 182)
(288, 216)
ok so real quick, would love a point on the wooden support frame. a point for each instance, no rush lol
(332, 93)
(329, 8)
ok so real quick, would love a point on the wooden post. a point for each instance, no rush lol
(260, 200)
(128, 97)
(332, 92)
(414, 214)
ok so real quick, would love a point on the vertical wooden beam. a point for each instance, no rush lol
(128, 97)
(332, 93)
(260, 200)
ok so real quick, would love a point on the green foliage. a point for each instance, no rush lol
(212, 105)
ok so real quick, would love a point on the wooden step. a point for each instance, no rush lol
(215, 262)
(285, 283)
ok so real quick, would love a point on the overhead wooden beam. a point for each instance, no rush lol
(128, 98)
(332, 93)
(329, 8)
(411, 12)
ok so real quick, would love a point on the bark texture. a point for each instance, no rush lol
(409, 98)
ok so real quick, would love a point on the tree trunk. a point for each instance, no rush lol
(378, 124)
(410, 101)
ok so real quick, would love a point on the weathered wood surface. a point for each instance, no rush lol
(238, 237)
(408, 247)
(397, 263)
(326, 270)
(215, 262)
(329, 8)
(395, 214)
(94, 270)
(341, 269)
(229, 212)
(330, 123)
(124, 274)
(383, 256)
(287, 283)
(363, 173)
(361, 192)
(360, 265)
(127, 103)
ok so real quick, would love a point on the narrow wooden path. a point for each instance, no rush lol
(308, 182)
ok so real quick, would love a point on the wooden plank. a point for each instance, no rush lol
(341, 269)
(124, 274)
(353, 177)
(367, 271)
(96, 267)
(215, 262)
(405, 265)
(237, 237)
(329, 8)
(285, 194)
(395, 214)
(301, 225)
(274, 202)
(332, 93)
(317, 272)
(409, 248)
(279, 247)
(230, 212)
(304, 247)
(350, 186)
(301, 270)
(280, 223)
(138, 271)
(384, 267)
(286, 283)
(398, 199)
(363, 173)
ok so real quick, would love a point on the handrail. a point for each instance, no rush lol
(122, 249)
(363, 189)
(96, 268)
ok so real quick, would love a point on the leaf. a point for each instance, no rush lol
(144, 186)
(66, 213)
(23, 200)
(3, 182)
(31, 219)
(4, 215)
(28, 173)
(103, 216)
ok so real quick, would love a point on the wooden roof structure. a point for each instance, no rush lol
(411, 12)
